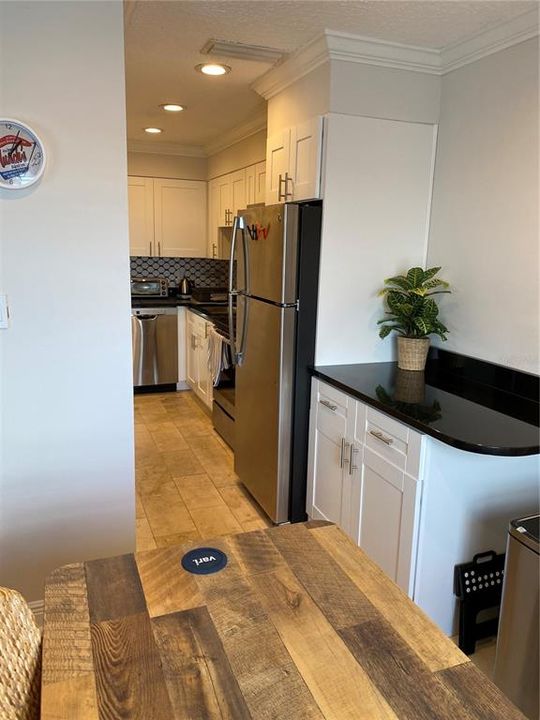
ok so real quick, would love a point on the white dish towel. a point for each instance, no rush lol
(219, 355)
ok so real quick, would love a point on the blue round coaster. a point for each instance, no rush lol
(204, 561)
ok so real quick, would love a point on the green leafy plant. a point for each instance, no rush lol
(412, 311)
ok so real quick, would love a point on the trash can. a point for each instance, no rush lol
(516, 662)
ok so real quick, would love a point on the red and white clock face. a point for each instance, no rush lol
(22, 156)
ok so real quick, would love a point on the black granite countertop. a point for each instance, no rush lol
(450, 402)
(216, 312)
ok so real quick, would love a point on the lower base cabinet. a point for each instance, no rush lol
(198, 375)
(415, 505)
(368, 495)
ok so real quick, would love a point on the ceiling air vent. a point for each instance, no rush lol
(224, 48)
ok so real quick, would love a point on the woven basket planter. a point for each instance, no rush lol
(410, 387)
(412, 353)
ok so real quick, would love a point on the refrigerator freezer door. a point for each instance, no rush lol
(264, 387)
(272, 234)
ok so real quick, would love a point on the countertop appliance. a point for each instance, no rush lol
(517, 660)
(273, 280)
(154, 337)
(184, 287)
(149, 287)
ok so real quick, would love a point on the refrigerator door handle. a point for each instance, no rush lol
(231, 259)
(232, 291)
(245, 247)
(242, 351)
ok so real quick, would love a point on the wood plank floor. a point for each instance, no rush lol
(186, 484)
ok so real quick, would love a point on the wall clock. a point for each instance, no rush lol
(22, 155)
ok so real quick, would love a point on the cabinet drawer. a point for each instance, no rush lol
(393, 441)
(331, 412)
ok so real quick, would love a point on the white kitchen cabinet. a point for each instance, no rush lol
(167, 218)
(293, 161)
(199, 377)
(255, 183)
(238, 191)
(417, 506)
(141, 215)
(180, 218)
(387, 517)
(226, 196)
(220, 214)
(332, 478)
(277, 165)
(363, 490)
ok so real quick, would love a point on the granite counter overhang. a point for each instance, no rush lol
(500, 424)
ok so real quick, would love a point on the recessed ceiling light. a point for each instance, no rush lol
(213, 69)
(172, 107)
(153, 131)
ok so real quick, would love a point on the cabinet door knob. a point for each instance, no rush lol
(329, 405)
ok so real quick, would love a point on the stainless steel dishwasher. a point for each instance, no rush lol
(154, 341)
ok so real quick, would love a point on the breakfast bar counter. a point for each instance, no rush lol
(298, 624)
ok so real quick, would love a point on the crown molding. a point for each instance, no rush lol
(371, 51)
(166, 148)
(292, 68)
(331, 45)
(237, 134)
(495, 38)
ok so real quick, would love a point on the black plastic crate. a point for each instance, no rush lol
(478, 586)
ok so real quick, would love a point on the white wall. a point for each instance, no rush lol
(301, 101)
(359, 89)
(178, 167)
(66, 453)
(377, 187)
(246, 152)
(484, 228)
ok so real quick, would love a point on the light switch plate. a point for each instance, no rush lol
(4, 312)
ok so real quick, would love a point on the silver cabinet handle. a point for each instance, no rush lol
(383, 438)
(286, 194)
(343, 448)
(352, 466)
(329, 405)
(282, 196)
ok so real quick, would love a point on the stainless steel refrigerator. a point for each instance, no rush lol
(273, 281)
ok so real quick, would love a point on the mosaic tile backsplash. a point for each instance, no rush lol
(201, 272)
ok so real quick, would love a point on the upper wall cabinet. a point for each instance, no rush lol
(141, 215)
(167, 217)
(180, 218)
(227, 195)
(255, 183)
(293, 161)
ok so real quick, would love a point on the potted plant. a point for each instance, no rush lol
(413, 314)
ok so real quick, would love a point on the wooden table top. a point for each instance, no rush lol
(299, 625)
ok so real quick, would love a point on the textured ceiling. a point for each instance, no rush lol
(163, 42)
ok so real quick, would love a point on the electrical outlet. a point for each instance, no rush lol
(4, 312)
